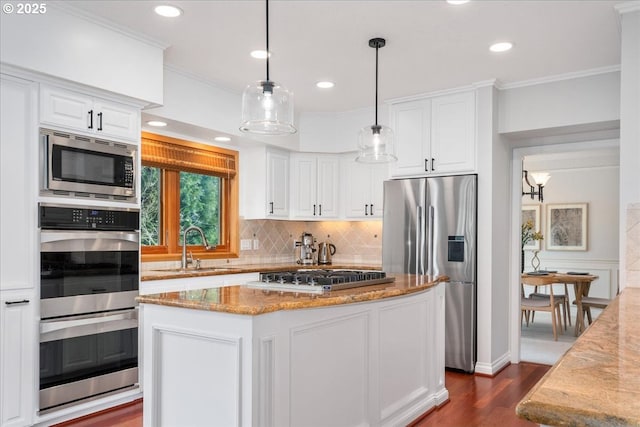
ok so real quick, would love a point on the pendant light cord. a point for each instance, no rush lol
(267, 15)
(376, 105)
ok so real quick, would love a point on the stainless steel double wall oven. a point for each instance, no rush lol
(89, 260)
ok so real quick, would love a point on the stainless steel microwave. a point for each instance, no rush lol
(82, 166)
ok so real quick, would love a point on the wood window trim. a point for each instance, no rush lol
(193, 157)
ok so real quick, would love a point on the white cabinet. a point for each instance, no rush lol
(18, 338)
(277, 184)
(314, 186)
(435, 136)
(18, 250)
(362, 188)
(89, 115)
(18, 184)
(264, 183)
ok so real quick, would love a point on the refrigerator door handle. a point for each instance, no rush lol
(430, 240)
(419, 240)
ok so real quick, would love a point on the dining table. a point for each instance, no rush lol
(581, 283)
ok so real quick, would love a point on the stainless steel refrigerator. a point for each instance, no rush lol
(429, 227)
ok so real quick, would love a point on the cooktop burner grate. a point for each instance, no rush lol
(319, 281)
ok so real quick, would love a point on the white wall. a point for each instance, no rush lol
(337, 132)
(192, 101)
(64, 44)
(629, 121)
(571, 101)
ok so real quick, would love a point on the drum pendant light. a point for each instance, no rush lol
(267, 107)
(375, 143)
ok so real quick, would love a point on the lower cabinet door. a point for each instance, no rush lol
(19, 337)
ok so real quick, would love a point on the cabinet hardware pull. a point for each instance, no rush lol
(365, 210)
(319, 210)
(24, 301)
(433, 161)
(271, 205)
(426, 165)
(90, 113)
(99, 121)
(314, 210)
(371, 209)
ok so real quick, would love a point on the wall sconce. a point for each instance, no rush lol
(539, 180)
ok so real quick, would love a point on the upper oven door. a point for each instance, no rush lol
(87, 271)
(86, 165)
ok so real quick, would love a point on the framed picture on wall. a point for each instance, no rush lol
(531, 213)
(566, 227)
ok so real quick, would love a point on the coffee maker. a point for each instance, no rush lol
(306, 249)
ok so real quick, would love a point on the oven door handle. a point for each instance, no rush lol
(55, 329)
(83, 241)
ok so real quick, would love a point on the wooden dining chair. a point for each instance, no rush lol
(552, 305)
(564, 300)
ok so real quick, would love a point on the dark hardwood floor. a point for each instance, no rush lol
(473, 401)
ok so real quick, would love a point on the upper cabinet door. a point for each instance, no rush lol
(303, 186)
(328, 189)
(89, 115)
(453, 133)
(117, 120)
(277, 185)
(68, 109)
(411, 122)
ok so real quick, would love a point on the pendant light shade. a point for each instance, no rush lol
(267, 107)
(376, 143)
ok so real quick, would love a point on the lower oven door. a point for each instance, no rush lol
(84, 357)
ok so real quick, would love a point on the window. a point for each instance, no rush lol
(185, 183)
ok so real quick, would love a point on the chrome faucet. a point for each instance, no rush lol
(183, 264)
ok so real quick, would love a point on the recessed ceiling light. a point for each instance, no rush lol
(222, 139)
(156, 123)
(500, 47)
(168, 11)
(325, 84)
(259, 54)
(457, 2)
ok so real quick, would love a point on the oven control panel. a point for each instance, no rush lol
(88, 218)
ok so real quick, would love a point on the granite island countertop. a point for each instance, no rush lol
(597, 382)
(217, 270)
(244, 300)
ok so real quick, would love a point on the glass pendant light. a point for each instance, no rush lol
(267, 107)
(376, 143)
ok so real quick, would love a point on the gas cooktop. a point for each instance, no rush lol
(317, 281)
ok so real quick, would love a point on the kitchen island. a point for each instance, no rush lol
(597, 382)
(240, 356)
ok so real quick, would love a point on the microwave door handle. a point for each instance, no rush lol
(88, 241)
(45, 166)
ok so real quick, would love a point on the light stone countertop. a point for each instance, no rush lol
(249, 301)
(597, 382)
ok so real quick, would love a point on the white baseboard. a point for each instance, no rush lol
(494, 367)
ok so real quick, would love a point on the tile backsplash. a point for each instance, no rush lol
(355, 241)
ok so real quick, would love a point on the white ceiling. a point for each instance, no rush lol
(431, 45)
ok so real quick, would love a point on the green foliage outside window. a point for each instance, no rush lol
(200, 205)
(150, 212)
